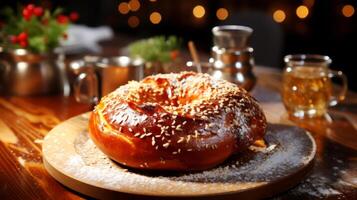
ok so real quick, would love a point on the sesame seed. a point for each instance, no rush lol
(166, 145)
(196, 134)
(188, 138)
(178, 127)
(180, 140)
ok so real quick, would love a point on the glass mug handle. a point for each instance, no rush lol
(90, 81)
(341, 96)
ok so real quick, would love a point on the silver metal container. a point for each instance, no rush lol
(25, 73)
(96, 76)
(232, 58)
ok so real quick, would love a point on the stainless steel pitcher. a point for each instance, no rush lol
(26, 73)
(232, 58)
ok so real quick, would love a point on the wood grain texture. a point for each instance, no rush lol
(23, 124)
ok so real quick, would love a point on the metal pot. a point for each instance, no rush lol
(25, 73)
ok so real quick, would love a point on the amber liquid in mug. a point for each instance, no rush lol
(306, 91)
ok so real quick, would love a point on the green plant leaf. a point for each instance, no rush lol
(153, 49)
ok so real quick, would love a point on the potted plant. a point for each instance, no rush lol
(27, 42)
(158, 53)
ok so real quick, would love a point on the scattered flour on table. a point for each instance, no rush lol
(283, 156)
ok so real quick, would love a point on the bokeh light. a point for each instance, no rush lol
(348, 10)
(279, 16)
(222, 13)
(198, 11)
(302, 12)
(123, 8)
(155, 17)
(133, 21)
(134, 5)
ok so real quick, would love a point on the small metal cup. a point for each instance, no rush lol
(97, 77)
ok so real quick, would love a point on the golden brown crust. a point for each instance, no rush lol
(185, 121)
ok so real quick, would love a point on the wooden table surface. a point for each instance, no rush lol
(24, 121)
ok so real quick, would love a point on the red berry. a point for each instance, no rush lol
(73, 16)
(65, 36)
(38, 11)
(30, 7)
(23, 43)
(22, 36)
(62, 19)
(174, 54)
(26, 14)
(13, 39)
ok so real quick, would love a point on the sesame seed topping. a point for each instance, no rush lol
(178, 127)
(180, 140)
(166, 145)
(188, 138)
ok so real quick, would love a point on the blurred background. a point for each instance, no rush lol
(280, 26)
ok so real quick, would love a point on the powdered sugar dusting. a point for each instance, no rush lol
(246, 170)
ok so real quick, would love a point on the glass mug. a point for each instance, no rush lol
(307, 87)
(97, 77)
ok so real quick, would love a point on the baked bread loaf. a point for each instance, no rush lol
(184, 121)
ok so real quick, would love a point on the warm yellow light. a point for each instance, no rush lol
(134, 5)
(302, 12)
(348, 10)
(222, 13)
(279, 16)
(133, 21)
(199, 11)
(123, 8)
(155, 17)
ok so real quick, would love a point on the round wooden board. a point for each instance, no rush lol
(71, 158)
